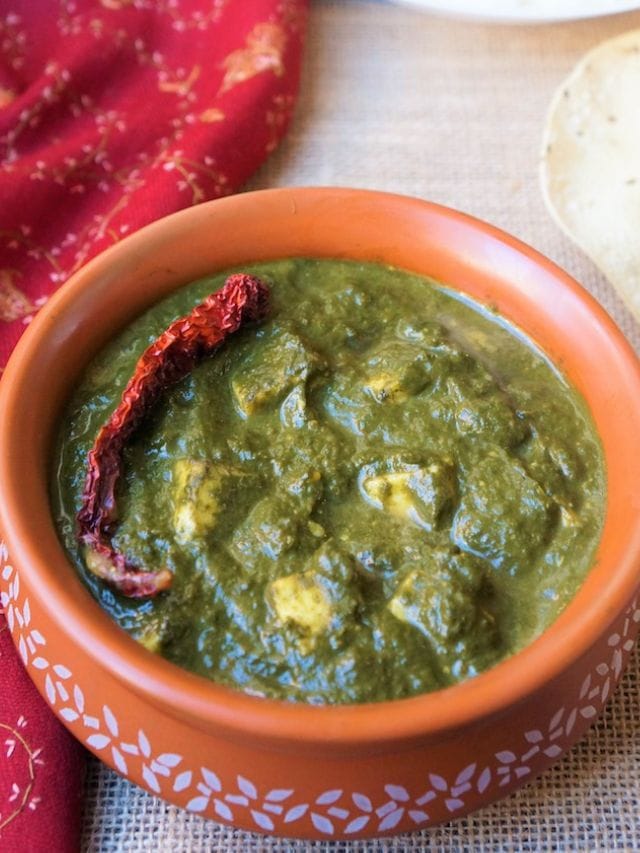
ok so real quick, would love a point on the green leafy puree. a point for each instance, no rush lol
(380, 491)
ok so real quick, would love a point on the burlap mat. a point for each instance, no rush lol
(453, 112)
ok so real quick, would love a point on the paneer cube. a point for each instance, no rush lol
(416, 493)
(303, 600)
(450, 599)
(276, 367)
(151, 639)
(321, 600)
(269, 531)
(438, 609)
(391, 492)
(396, 371)
(503, 512)
(198, 486)
(386, 386)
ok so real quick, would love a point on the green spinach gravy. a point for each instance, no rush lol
(381, 490)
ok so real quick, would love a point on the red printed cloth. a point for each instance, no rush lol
(112, 114)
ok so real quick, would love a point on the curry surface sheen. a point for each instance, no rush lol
(380, 491)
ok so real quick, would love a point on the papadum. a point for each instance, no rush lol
(591, 160)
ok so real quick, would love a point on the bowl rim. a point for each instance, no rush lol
(278, 722)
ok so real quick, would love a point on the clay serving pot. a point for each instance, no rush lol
(291, 769)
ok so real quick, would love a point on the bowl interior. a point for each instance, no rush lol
(467, 255)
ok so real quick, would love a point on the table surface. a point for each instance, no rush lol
(451, 111)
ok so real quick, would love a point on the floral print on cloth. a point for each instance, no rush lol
(112, 114)
(116, 112)
(41, 766)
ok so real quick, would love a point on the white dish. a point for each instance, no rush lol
(525, 11)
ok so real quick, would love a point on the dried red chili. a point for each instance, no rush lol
(244, 298)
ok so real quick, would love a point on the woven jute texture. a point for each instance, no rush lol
(450, 111)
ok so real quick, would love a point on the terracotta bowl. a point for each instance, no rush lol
(296, 770)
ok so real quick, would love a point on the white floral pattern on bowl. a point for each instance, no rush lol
(334, 812)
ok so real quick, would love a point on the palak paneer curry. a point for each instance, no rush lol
(380, 490)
